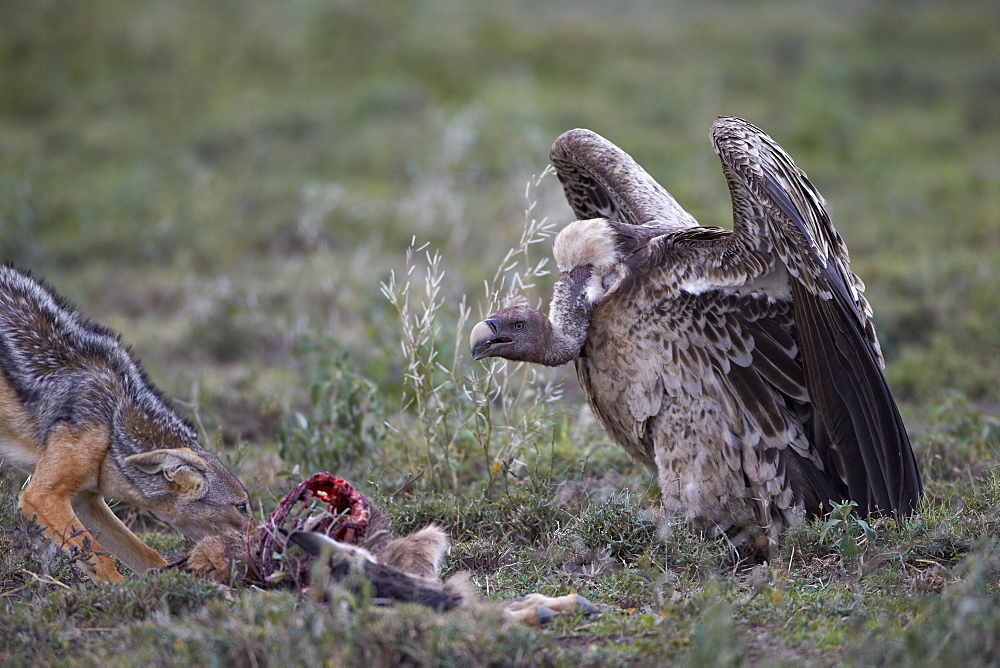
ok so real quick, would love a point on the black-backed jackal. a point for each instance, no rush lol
(78, 415)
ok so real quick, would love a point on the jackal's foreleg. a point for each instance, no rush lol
(69, 463)
(105, 526)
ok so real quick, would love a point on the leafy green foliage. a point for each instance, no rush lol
(847, 531)
(347, 419)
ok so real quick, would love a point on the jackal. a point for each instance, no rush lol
(78, 414)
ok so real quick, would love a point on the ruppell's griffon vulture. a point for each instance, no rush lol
(741, 365)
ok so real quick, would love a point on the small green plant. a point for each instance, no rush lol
(848, 532)
(346, 420)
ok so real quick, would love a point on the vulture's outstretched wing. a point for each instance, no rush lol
(857, 428)
(602, 181)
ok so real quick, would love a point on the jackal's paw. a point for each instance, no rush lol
(536, 609)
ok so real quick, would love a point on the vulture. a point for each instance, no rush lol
(740, 366)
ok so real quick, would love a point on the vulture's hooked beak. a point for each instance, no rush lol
(483, 336)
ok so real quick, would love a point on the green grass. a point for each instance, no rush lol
(235, 188)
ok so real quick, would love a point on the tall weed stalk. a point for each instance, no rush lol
(497, 409)
(511, 398)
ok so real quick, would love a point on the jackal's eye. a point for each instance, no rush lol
(519, 325)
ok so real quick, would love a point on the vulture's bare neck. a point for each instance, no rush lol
(569, 315)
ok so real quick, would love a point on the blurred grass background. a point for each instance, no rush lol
(228, 183)
(217, 179)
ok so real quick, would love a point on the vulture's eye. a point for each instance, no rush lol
(519, 325)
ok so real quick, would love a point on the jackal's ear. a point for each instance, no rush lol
(184, 469)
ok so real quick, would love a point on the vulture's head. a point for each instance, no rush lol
(589, 256)
(515, 333)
